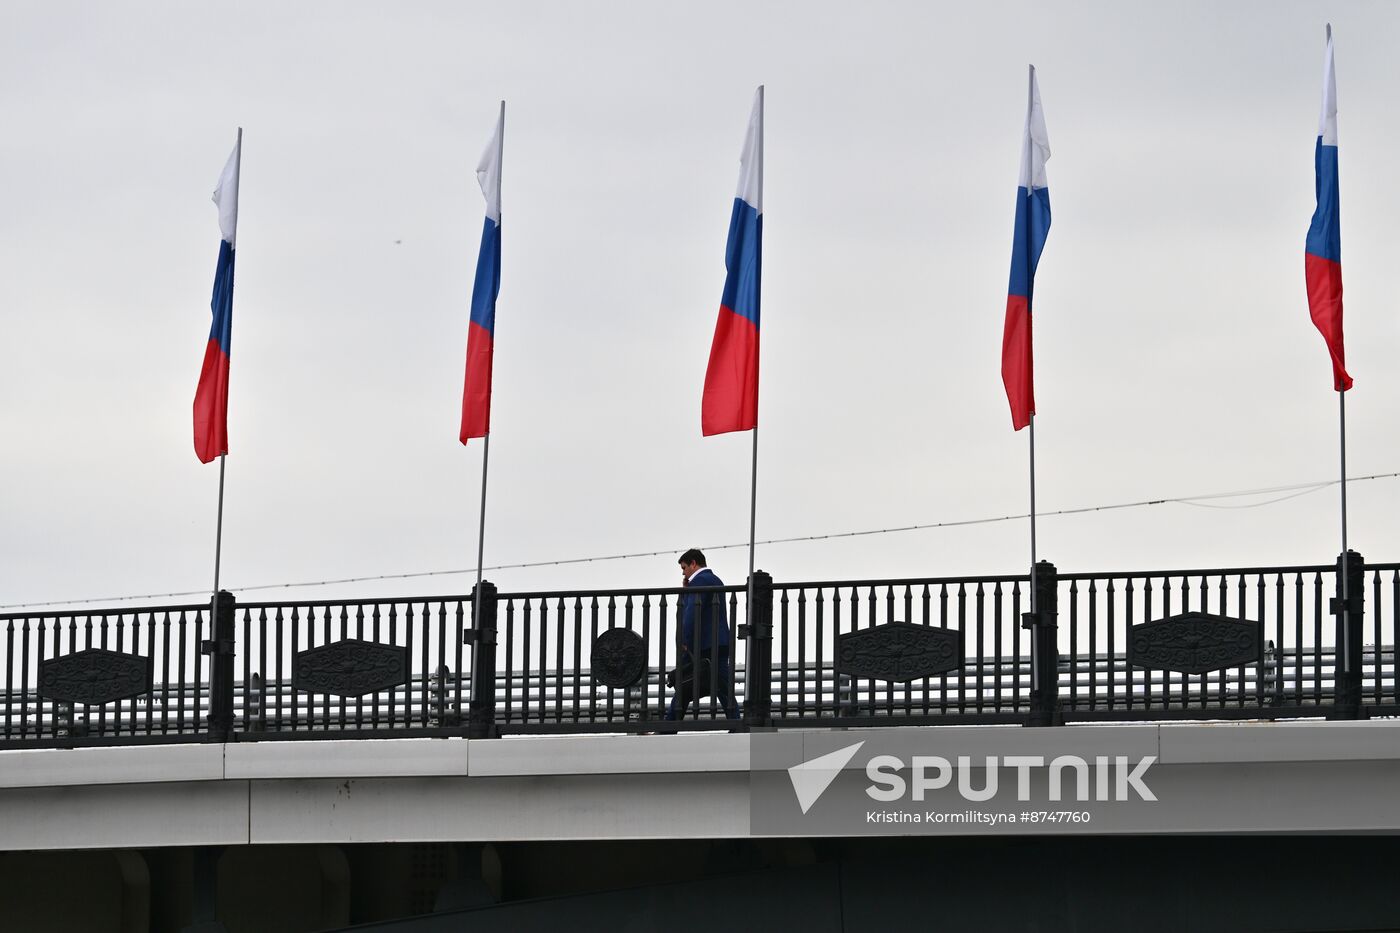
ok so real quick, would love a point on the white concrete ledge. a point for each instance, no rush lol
(124, 816)
(610, 754)
(524, 756)
(346, 758)
(1246, 777)
(1296, 741)
(587, 806)
(979, 742)
(131, 764)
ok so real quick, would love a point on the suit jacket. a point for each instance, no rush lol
(707, 610)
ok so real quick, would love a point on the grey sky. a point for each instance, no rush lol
(1174, 354)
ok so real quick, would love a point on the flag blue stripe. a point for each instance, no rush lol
(488, 278)
(221, 304)
(1032, 227)
(743, 257)
(1325, 232)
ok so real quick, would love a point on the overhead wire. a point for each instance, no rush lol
(1291, 491)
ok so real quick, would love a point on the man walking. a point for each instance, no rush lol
(703, 642)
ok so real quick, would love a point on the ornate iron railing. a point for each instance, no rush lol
(575, 661)
(1262, 642)
(134, 674)
(374, 664)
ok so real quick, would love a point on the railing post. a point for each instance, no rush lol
(481, 722)
(1350, 612)
(1045, 656)
(758, 663)
(254, 704)
(220, 648)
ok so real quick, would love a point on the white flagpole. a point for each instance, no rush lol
(1346, 555)
(753, 475)
(1342, 402)
(1033, 554)
(1030, 323)
(753, 479)
(1342, 421)
(481, 521)
(486, 445)
(753, 500)
(1329, 111)
(223, 457)
(219, 526)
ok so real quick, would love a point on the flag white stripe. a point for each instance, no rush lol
(751, 159)
(1036, 151)
(1327, 121)
(488, 169)
(226, 197)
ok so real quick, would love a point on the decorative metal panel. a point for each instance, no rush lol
(350, 667)
(94, 676)
(1193, 643)
(899, 651)
(619, 658)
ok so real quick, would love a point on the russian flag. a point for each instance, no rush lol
(481, 331)
(1322, 260)
(1032, 226)
(211, 397)
(730, 402)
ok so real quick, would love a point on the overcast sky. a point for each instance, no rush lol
(1174, 353)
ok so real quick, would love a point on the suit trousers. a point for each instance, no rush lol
(723, 698)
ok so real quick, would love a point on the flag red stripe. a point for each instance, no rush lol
(1017, 369)
(730, 402)
(476, 387)
(211, 405)
(1325, 304)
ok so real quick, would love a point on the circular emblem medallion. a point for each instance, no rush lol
(619, 658)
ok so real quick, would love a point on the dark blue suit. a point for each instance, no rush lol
(704, 634)
(701, 609)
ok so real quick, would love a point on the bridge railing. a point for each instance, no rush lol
(570, 661)
(1220, 643)
(919, 649)
(376, 665)
(1264, 642)
(133, 674)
